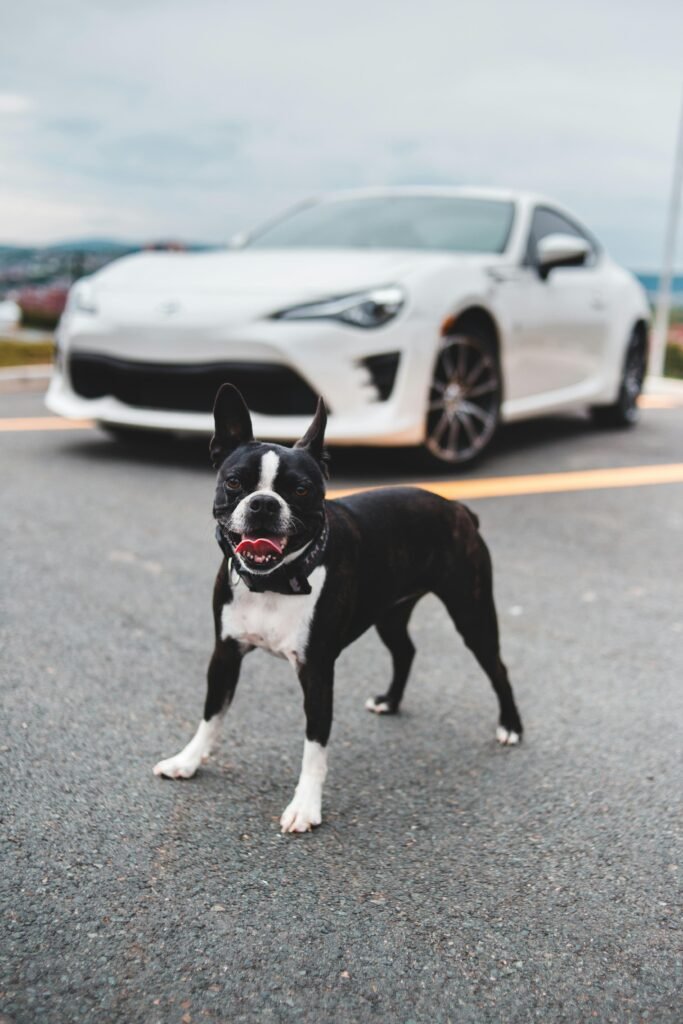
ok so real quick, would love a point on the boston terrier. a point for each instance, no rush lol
(303, 577)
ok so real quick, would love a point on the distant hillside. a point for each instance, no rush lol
(98, 245)
(63, 262)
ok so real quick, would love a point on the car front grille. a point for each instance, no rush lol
(190, 387)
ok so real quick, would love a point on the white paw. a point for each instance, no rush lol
(379, 709)
(507, 737)
(301, 816)
(179, 767)
(186, 763)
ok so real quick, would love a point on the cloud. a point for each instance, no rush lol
(71, 127)
(13, 103)
(199, 120)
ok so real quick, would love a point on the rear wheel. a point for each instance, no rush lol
(624, 412)
(464, 400)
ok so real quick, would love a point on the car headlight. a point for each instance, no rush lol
(81, 298)
(372, 308)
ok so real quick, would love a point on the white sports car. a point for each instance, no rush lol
(424, 316)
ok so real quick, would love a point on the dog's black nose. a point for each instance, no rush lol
(264, 503)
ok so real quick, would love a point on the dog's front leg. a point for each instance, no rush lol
(224, 670)
(305, 810)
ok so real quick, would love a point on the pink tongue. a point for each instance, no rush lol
(259, 546)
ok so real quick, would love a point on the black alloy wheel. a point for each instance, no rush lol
(624, 412)
(464, 400)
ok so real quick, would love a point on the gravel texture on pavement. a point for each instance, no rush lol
(451, 880)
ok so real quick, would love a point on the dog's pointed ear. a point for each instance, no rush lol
(233, 424)
(313, 440)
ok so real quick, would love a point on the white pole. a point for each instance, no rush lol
(661, 326)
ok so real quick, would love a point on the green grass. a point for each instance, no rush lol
(25, 353)
(43, 321)
(673, 361)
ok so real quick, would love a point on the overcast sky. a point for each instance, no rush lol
(170, 118)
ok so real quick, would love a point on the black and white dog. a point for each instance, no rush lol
(303, 577)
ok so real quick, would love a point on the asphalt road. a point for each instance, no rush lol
(451, 880)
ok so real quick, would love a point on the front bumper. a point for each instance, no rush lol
(326, 358)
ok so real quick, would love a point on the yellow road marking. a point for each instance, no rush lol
(485, 487)
(545, 483)
(43, 423)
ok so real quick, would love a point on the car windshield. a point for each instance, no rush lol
(440, 223)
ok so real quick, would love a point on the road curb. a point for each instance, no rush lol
(25, 378)
(663, 386)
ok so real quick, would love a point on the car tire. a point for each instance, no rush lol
(463, 408)
(624, 412)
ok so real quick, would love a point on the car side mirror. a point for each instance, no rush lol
(561, 251)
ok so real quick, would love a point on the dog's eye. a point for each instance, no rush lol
(232, 483)
(301, 490)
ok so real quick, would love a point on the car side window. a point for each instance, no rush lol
(546, 222)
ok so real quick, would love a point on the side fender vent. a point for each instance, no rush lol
(383, 369)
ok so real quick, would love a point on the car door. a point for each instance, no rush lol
(560, 322)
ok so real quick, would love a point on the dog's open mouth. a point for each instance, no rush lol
(261, 551)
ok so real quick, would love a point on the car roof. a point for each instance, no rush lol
(454, 191)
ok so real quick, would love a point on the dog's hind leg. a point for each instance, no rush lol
(223, 674)
(393, 631)
(471, 605)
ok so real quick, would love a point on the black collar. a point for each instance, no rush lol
(291, 578)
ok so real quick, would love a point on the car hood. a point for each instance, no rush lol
(291, 275)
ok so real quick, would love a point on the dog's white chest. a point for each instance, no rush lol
(279, 623)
